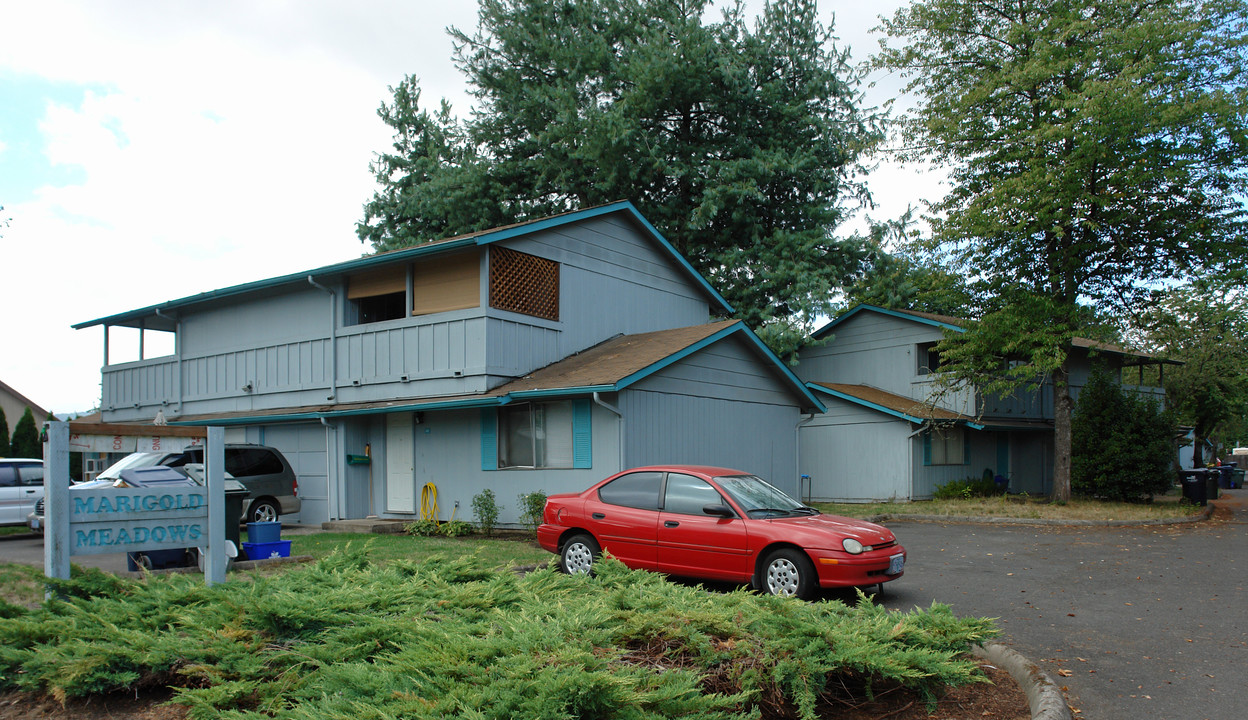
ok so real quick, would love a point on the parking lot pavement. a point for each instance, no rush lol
(1137, 622)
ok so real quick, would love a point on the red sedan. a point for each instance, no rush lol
(717, 524)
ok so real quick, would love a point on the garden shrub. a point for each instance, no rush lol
(532, 505)
(485, 509)
(1121, 444)
(967, 488)
(449, 638)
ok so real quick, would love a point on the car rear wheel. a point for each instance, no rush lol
(263, 510)
(788, 572)
(578, 555)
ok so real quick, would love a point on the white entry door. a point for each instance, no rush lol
(400, 466)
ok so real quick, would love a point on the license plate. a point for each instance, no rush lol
(895, 564)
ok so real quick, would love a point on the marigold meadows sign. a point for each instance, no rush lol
(123, 520)
(134, 519)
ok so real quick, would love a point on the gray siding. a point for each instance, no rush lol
(613, 280)
(447, 453)
(715, 408)
(869, 349)
(854, 454)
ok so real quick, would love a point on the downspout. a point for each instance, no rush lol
(177, 352)
(333, 340)
(331, 469)
(599, 401)
(797, 450)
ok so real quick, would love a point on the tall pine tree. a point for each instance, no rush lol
(26, 437)
(741, 145)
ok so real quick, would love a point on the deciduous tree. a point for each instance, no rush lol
(1095, 148)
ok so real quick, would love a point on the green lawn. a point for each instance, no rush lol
(1014, 506)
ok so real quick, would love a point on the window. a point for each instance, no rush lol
(30, 474)
(446, 283)
(377, 296)
(687, 495)
(945, 446)
(524, 283)
(635, 490)
(537, 435)
(239, 462)
(8, 475)
(928, 358)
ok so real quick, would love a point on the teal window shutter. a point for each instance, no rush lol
(489, 438)
(582, 435)
(927, 448)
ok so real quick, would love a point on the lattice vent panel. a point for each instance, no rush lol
(524, 283)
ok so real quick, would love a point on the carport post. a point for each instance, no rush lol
(214, 460)
(56, 501)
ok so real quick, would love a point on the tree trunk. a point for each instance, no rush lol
(1062, 406)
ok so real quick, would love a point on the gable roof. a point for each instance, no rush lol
(959, 325)
(610, 366)
(155, 317)
(16, 399)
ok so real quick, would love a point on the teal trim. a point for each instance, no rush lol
(470, 240)
(927, 447)
(582, 434)
(489, 438)
(560, 392)
(883, 311)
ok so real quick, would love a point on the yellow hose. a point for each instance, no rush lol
(429, 502)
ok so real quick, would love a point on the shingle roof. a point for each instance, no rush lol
(910, 408)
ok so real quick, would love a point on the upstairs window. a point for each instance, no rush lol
(524, 283)
(446, 283)
(377, 296)
(928, 358)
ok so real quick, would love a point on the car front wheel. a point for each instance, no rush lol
(578, 554)
(788, 572)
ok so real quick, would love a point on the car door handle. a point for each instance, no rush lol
(598, 516)
(670, 523)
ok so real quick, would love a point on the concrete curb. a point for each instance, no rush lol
(1204, 514)
(1044, 697)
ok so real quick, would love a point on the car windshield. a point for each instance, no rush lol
(129, 462)
(758, 497)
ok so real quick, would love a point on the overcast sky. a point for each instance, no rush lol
(151, 150)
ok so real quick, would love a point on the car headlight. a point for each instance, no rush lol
(852, 546)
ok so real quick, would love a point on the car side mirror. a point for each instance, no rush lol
(718, 511)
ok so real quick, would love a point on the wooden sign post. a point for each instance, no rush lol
(133, 519)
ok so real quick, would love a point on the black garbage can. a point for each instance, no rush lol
(235, 500)
(1224, 476)
(1212, 478)
(158, 476)
(1195, 486)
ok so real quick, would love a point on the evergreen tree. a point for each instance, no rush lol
(1122, 444)
(26, 437)
(1096, 148)
(5, 449)
(740, 145)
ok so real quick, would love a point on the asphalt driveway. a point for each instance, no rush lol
(1140, 622)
